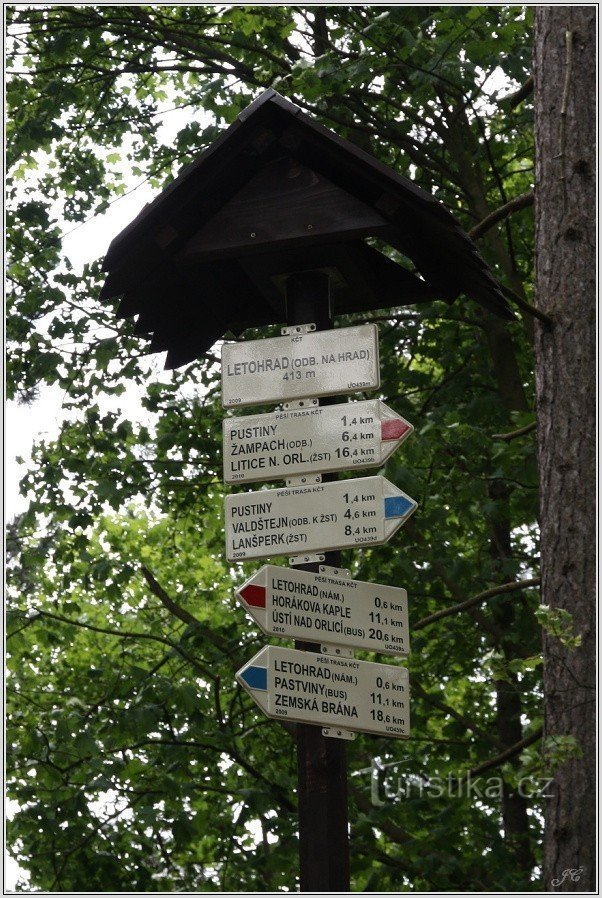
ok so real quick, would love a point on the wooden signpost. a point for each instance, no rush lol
(269, 225)
(318, 684)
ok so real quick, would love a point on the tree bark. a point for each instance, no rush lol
(565, 116)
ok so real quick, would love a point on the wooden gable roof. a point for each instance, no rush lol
(274, 194)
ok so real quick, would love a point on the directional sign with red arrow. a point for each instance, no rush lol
(328, 608)
(311, 440)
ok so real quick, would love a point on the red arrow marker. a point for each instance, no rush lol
(393, 429)
(253, 595)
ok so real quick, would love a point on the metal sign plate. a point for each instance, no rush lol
(323, 363)
(349, 435)
(308, 688)
(319, 607)
(340, 515)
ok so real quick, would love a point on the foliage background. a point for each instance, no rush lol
(136, 763)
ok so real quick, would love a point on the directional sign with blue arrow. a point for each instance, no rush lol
(329, 691)
(309, 518)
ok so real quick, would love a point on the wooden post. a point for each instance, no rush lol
(321, 761)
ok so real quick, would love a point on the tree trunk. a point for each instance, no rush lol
(565, 116)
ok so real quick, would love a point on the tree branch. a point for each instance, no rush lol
(506, 755)
(515, 433)
(183, 614)
(396, 833)
(510, 101)
(514, 205)
(526, 306)
(123, 634)
(95, 831)
(129, 634)
(475, 600)
(447, 709)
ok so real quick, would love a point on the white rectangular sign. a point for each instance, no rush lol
(339, 515)
(321, 607)
(349, 435)
(297, 366)
(309, 688)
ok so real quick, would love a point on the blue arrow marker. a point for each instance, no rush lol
(398, 506)
(255, 677)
